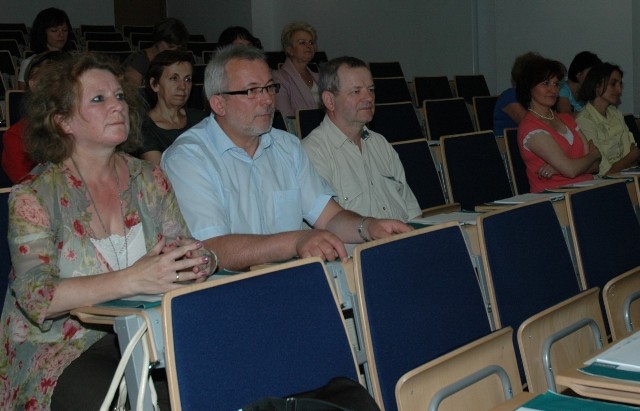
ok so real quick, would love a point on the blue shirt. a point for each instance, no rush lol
(221, 190)
(501, 120)
(565, 91)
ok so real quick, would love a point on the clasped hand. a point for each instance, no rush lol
(171, 263)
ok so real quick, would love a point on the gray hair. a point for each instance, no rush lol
(289, 29)
(215, 77)
(329, 80)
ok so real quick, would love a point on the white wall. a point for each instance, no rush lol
(79, 11)
(428, 37)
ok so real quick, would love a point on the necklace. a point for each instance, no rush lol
(551, 117)
(104, 227)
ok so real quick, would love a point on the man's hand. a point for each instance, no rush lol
(320, 243)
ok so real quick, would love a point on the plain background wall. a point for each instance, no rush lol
(428, 37)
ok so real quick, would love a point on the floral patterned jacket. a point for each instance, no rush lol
(49, 241)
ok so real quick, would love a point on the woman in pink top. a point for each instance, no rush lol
(554, 150)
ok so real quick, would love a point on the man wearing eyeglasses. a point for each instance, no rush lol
(245, 188)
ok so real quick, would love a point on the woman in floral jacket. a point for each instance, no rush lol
(89, 225)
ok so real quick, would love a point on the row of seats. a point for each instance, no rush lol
(419, 303)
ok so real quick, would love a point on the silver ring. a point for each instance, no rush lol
(177, 277)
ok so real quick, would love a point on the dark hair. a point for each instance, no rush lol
(232, 33)
(581, 62)
(520, 63)
(535, 72)
(328, 79)
(171, 31)
(58, 94)
(157, 66)
(46, 19)
(599, 75)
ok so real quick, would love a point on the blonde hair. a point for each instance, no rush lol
(289, 29)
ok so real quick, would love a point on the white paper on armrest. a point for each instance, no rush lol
(459, 216)
(528, 197)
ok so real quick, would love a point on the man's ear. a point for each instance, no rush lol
(63, 122)
(328, 99)
(218, 105)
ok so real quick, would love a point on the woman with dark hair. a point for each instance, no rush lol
(238, 35)
(90, 225)
(602, 122)
(568, 100)
(168, 34)
(168, 85)
(553, 148)
(49, 31)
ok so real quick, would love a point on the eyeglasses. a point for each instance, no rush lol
(254, 92)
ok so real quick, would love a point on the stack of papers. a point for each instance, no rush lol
(528, 197)
(631, 170)
(623, 355)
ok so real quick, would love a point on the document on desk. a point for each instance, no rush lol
(459, 216)
(550, 401)
(528, 197)
(632, 171)
(623, 355)
(137, 301)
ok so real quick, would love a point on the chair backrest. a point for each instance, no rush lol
(385, 69)
(135, 38)
(307, 120)
(526, 262)
(198, 73)
(5, 255)
(15, 26)
(419, 299)
(581, 317)
(108, 46)
(444, 117)
(391, 90)
(197, 47)
(473, 169)
(431, 88)
(108, 28)
(424, 387)
(103, 36)
(16, 35)
(118, 56)
(128, 29)
(14, 103)
(630, 121)
(275, 58)
(605, 231)
(270, 332)
(7, 64)
(517, 168)
(622, 304)
(197, 98)
(421, 173)
(11, 46)
(397, 122)
(278, 121)
(468, 86)
(483, 111)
